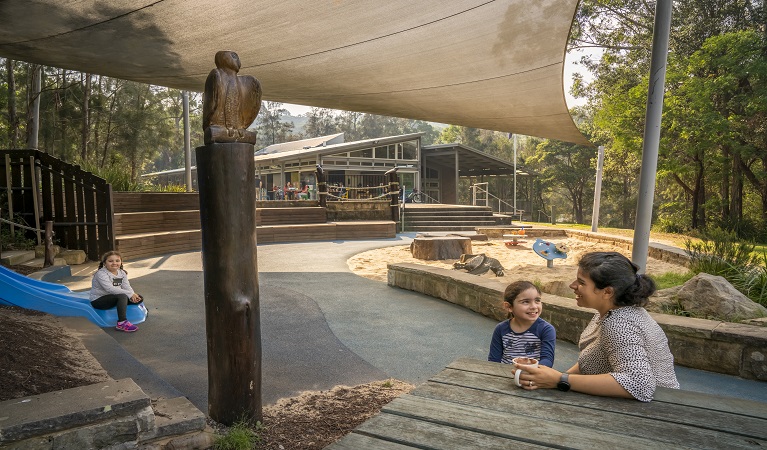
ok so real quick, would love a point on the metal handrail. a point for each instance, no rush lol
(515, 211)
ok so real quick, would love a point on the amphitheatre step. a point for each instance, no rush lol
(441, 228)
(155, 221)
(38, 415)
(16, 257)
(40, 262)
(175, 416)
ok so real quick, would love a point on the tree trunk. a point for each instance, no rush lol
(438, 248)
(86, 119)
(726, 187)
(13, 118)
(33, 105)
(735, 212)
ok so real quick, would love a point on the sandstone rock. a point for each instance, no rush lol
(73, 257)
(712, 296)
(663, 300)
(40, 250)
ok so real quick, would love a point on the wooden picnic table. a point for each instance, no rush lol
(474, 404)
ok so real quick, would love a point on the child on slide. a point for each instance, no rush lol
(110, 288)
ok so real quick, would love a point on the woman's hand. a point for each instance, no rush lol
(540, 377)
(135, 298)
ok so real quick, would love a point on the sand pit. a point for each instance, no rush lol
(519, 262)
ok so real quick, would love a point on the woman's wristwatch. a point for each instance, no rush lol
(563, 384)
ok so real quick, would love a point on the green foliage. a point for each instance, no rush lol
(240, 436)
(671, 279)
(119, 177)
(720, 253)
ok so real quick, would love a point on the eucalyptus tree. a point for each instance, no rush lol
(270, 126)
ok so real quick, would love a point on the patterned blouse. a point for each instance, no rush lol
(629, 345)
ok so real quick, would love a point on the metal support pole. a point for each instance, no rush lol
(187, 142)
(597, 190)
(515, 175)
(651, 133)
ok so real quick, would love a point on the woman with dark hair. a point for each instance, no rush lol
(623, 351)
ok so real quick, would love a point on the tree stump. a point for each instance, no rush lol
(443, 247)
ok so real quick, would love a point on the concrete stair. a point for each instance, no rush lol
(111, 414)
(17, 257)
(423, 218)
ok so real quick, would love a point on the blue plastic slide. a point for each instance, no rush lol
(59, 300)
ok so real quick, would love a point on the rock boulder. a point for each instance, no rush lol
(712, 296)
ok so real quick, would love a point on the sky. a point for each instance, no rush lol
(570, 68)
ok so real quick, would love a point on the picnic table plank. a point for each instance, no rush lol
(530, 409)
(498, 378)
(474, 404)
(356, 441)
(426, 434)
(676, 396)
(546, 433)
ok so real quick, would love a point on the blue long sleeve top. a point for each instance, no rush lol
(538, 342)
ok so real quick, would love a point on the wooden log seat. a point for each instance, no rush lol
(440, 247)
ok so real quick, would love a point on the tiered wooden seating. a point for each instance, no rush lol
(148, 224)
(153, 223)
(291, 215)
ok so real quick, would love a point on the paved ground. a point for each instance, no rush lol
(321, 326)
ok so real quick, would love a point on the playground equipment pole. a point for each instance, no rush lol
(597, 189)
(651, 133)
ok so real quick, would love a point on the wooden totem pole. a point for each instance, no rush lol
(226, 181)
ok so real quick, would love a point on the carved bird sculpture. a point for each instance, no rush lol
(230, 102)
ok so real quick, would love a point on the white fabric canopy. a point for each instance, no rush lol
(487, 64)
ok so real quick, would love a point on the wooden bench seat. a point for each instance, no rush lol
(290, 215)
(140, 245)
(156, 221)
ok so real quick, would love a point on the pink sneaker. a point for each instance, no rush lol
(126, 326)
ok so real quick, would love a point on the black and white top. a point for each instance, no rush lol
(629, 345)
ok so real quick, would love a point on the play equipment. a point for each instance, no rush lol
(59, 300)
(548, 251)
(513, 238)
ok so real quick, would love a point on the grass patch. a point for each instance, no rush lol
(239, 436)
(671, 279)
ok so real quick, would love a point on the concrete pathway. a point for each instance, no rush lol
(322, 326)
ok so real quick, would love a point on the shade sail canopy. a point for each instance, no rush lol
(487, 64)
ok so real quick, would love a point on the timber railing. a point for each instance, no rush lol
(41, 188)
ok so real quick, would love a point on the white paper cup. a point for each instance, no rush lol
(519, 361)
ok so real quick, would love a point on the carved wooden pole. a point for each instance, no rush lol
(226, 179)
(394, 193)
(322, 186)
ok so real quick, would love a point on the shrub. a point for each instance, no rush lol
(720, 253)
